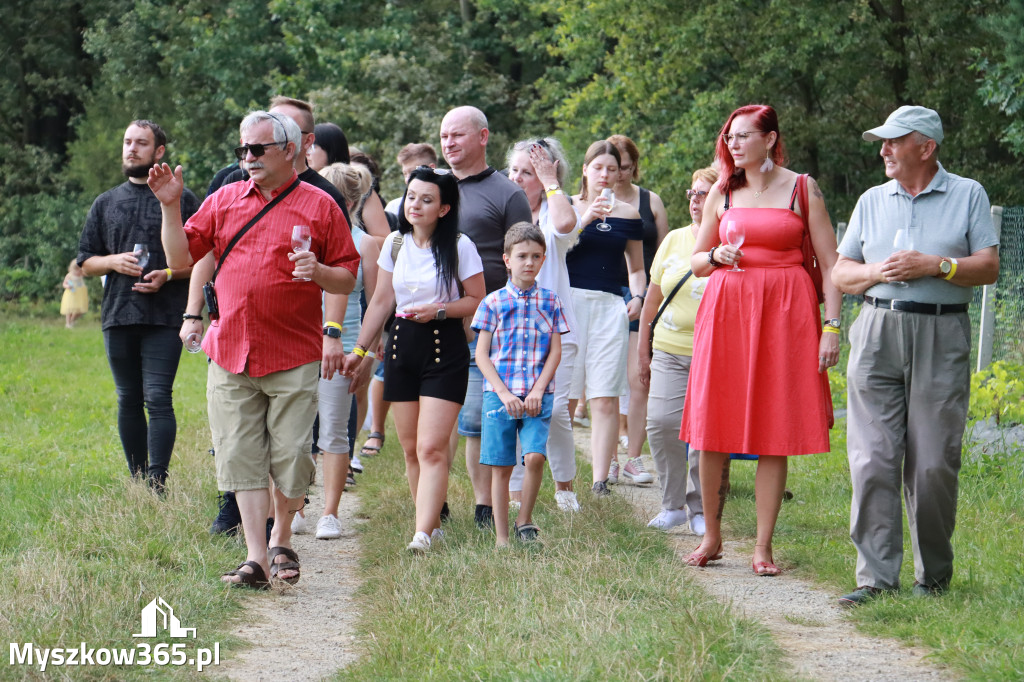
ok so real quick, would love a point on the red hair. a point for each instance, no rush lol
(766, 121)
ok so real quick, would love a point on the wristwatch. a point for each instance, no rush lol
(552, 188)
(333, 332)
(945, 267)
(834, 322)
(442, 314)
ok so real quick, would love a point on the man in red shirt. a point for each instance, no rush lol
(265, 348)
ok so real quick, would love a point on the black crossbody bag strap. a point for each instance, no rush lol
(664, 304)
(234, 240)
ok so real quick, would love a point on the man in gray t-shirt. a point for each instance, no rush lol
(489, 203)
(915, 248)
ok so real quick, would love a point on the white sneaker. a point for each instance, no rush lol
(566, 500)
(697, 524)
(328, 528)
(624, 443)
(613, 473)
(668, 518)
(299, 524)
(635, 471)
(420, 543)
(436, 535)
(356, 465)
(513, 508)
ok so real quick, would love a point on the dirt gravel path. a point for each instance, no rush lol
(807, 623)
(306, 632)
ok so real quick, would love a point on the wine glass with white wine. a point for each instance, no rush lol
(734, 236)
(901, 242)
(608, 194)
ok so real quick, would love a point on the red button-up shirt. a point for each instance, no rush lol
(268, 323)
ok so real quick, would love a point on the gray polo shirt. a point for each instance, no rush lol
(951, 217)
(489, 204)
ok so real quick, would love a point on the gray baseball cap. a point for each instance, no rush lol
(908, 119)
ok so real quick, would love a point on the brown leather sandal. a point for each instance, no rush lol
(291, 565)
(256, 580)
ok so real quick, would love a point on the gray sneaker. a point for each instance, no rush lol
(861, 595)
(600, 489)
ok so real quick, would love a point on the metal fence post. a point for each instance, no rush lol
(987, 321)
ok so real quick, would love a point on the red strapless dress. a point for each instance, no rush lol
(754, 385)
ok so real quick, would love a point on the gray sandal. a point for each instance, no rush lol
(371, 450)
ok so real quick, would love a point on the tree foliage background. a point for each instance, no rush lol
(665, 72)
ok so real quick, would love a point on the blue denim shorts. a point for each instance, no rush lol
(469, 415)
(498, 443)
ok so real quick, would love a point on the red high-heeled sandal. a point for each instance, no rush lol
(700, 559)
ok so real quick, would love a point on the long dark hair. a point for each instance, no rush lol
(444, 242)
(767, 121)
(332, 140)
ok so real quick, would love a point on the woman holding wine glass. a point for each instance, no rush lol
(757, 381)
(432, 279)
(602, 317)
(633, 406)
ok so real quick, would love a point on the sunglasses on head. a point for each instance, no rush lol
(257, 150)
(435, 171)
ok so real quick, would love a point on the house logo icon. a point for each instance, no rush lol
(159, 613)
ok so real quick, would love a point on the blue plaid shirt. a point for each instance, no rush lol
(521, 324)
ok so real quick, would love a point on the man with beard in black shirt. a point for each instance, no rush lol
(142, 303)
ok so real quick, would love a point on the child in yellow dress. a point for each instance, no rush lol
(75, 301)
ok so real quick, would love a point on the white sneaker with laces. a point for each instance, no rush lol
(668, 518)
(613, 473)
(298, 524)
(328, 528)
(697, 524)
(566, 500)
(636, 472)
(436, 535)
(420, 543)
(356, 465)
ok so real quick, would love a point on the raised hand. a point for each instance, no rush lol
(167, 185)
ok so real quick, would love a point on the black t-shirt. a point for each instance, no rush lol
(127, 215)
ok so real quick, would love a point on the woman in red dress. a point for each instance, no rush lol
(757, 382)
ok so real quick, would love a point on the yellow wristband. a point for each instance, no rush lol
(552, 192)
(829, 329)
(170, 274)
(359, 351)
(370, 354)
(333, 324)
(952, 269)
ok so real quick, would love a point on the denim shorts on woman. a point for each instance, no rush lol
(498, 440)
(426, 360)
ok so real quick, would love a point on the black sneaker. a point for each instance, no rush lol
(861, 595)
(484, 517)
(446, 513)
(229, 519)
(601, 488)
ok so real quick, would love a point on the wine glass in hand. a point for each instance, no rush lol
(734, 236)
(901, 242)
(608, 194)
(301, 241)
(141, 253)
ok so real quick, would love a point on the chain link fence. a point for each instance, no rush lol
(997, 314)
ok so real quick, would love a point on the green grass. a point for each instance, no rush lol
(976, 628)
(603, 598)
(83, 547)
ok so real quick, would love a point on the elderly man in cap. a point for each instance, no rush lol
(909, 373)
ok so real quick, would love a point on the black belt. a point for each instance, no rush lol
(915, 307)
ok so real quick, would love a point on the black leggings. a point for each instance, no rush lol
(144, 360)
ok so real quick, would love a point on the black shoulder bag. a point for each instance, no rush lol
(209, 293)
(664, 304)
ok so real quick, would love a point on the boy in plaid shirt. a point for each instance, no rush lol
(518, 349)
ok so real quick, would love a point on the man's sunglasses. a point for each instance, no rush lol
(257, 150)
